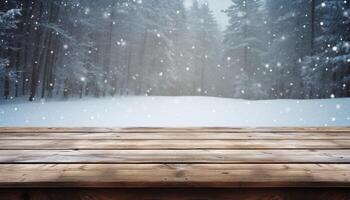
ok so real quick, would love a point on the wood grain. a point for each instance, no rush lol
(178, 156)
(174, 158)
(170, 144)
(176, 136)
(175, 175)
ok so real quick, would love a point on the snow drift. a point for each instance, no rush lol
(175, 112)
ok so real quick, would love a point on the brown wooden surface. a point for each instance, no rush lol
(185, 157)
(71, 135)
(175, 156)
(51, 144)
(175, 175)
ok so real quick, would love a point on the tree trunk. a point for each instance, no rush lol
(35, 66)
(128, 75)
(312, 25)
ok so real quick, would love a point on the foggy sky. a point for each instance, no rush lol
(217, 6)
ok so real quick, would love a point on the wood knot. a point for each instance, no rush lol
(180, 173)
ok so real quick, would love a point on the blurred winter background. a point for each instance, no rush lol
(132, 62)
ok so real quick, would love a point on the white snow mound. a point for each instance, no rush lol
(175, 112)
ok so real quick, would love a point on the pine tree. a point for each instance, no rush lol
(159, 20)
(327, 72)
(7, 21)
(204, 49)
(209, 36)
(290, 36)
(244, 47)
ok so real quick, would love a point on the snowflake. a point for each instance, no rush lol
(87, 11)
(240, 14)
(106, 14)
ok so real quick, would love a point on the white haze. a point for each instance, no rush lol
(217, 6)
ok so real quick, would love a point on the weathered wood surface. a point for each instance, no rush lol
(51, 144)
(175, 136)
(175, 175)
(175, 156)
(186, 157)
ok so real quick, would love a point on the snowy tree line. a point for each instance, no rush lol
(111, 47)
(78, 48)
(289, 49)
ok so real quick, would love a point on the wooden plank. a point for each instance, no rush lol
(184, 157)
(177, 193)
(170, 175)
(175, 130)
(171, 156)
(176, 136)
(170, 144)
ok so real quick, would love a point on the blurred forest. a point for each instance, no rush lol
(270, 49)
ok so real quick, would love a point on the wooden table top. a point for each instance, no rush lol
(174, 157)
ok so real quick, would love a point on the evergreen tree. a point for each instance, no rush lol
(163, 24)
(203, 48)
(290, 36)
(7, 21)
(271, 48)
(244, 47)
(327, 72)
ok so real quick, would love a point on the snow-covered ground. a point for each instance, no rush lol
(175, 111)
